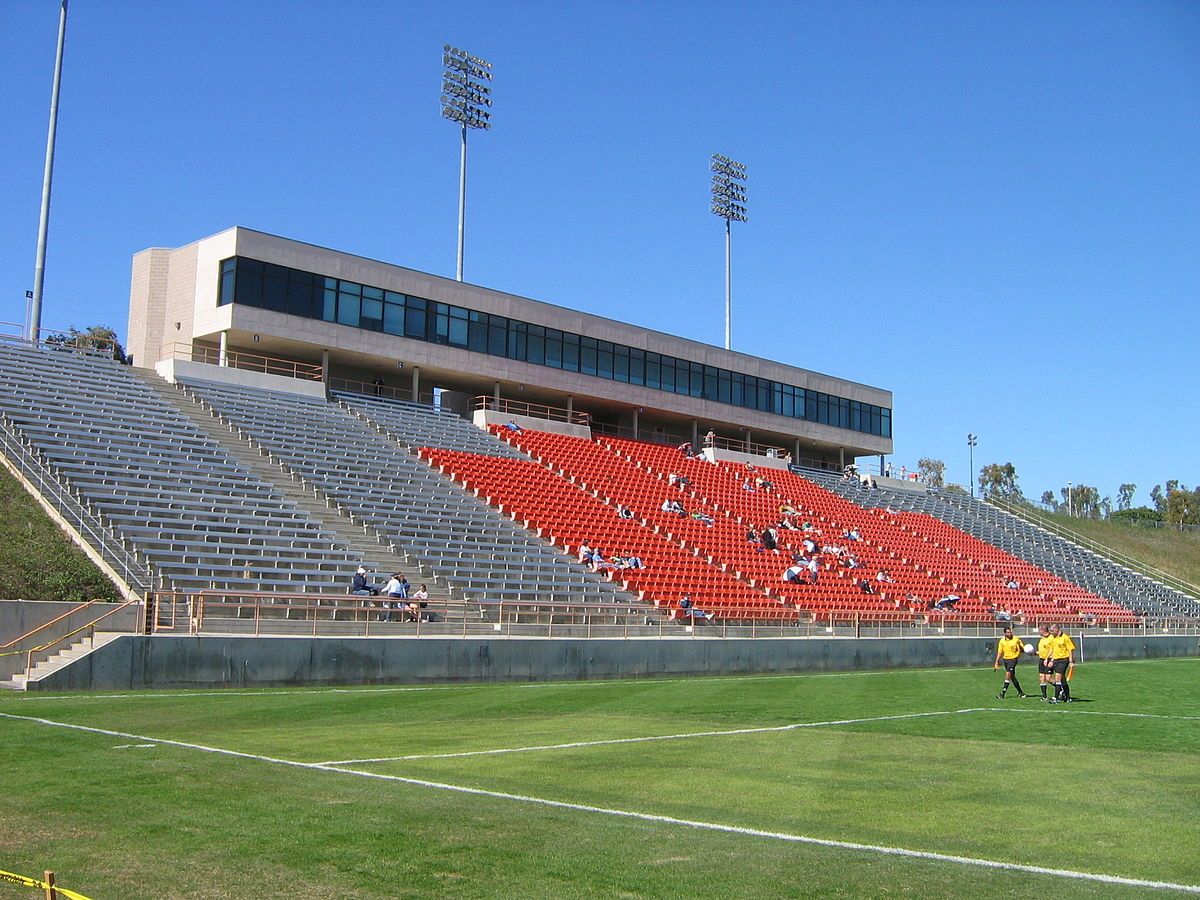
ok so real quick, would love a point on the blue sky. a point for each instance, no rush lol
(991, 209)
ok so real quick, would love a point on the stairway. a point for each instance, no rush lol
(62, 658)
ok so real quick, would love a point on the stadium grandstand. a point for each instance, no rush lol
(293, 413)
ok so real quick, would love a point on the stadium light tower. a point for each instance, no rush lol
(466, 99)
(728, 202)
(39, 266)
(972, 440)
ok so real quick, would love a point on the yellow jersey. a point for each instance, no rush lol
(1061, 647)
(1010, 648)
(1044, 645)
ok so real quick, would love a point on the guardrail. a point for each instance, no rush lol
(136, 574)
(238, 359)
(342, 615)
(379, 389)
(59, 339)
(533, 410)
(1029, 515)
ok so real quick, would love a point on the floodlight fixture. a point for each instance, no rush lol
(466, 100)
(728, 202)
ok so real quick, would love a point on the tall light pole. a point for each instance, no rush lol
(466, 99)
(1070, 502)
(39, 266)
(728, 202)
(972, 440)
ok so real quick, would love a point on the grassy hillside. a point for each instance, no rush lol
(1175, 552)
(38, 562)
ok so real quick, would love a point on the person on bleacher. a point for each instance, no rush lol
(795, 574)
(397, 597)
(361, 586)
(624, 512)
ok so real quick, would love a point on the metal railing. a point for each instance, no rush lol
(342, 615)
(59, 339)
(379, 389)
(1027, 514)
(533, 410)
(238, 359)
(136, 574)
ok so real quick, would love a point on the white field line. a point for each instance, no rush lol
(765, 729)
(647, 817)
(1093, 712)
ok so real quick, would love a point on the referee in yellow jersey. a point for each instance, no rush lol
(1062, 659)
(1045, 663)
(1008, 650)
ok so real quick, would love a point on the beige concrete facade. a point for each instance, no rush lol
(174, 298)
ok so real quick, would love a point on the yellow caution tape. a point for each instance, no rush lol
(12, 878)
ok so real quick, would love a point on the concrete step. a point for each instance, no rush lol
(377, 556)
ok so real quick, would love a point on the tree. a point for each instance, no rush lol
(1125, 496)
(1182, 505)
(1081, 500)
(1159, 498)
(1049, 501)
(95, 337)
(932, 472)
(997, 480)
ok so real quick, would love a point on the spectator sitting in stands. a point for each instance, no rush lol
(674, 506)
(795, 574)
(585, 552)
(627, 562)
(914, 602)
(751, 536)
(1011, 583)
(397, 595)
(786, 509)
(1001, 614)
(808, 526)
(362, 585)
(851, 534)
(947, 603)
(624, 512)
(865, 586)
(672, 479)
(850, 561)
(686, 448)
(747, 486)
(512, 426)
(851, 471)
(885, 577)
(787, 524)
(814, 567)
(417, 601)
(704, 517)
(769, 539)
(689, 609)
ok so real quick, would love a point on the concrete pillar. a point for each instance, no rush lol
(881, 463)
(635, 424)
(747, 440)
(796, 452)
(570, 407)
(496, 395)
(695, 434)
(325, 366)
(416, 384)
(222, 353)
(842, 457)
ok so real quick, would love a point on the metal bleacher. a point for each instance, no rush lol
(155, 482)
(356, 460)
(1026, 541)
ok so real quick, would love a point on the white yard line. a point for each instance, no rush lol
(655, 737)
(1092, 712)
(646, 817)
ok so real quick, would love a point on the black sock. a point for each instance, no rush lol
(1043, 690)
(1066, 690)
(1017, 684)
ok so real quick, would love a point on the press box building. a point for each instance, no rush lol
(248, 300)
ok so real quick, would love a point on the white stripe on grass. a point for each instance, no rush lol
(764, 729)
(647, 817)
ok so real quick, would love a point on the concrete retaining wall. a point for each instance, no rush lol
(138, 661)
(18, 617)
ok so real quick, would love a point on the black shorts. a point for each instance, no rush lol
(1044, 669)
(1060, 666)
(1011, 664)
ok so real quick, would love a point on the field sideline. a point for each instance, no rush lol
(913, 783)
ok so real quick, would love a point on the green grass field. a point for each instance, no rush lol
(934, 764)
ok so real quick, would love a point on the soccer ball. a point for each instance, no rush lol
(1029, 648)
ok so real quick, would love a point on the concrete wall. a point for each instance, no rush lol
(137, 661)
(171, 369)
(485, 417)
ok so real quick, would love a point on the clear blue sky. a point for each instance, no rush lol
(991, 209)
